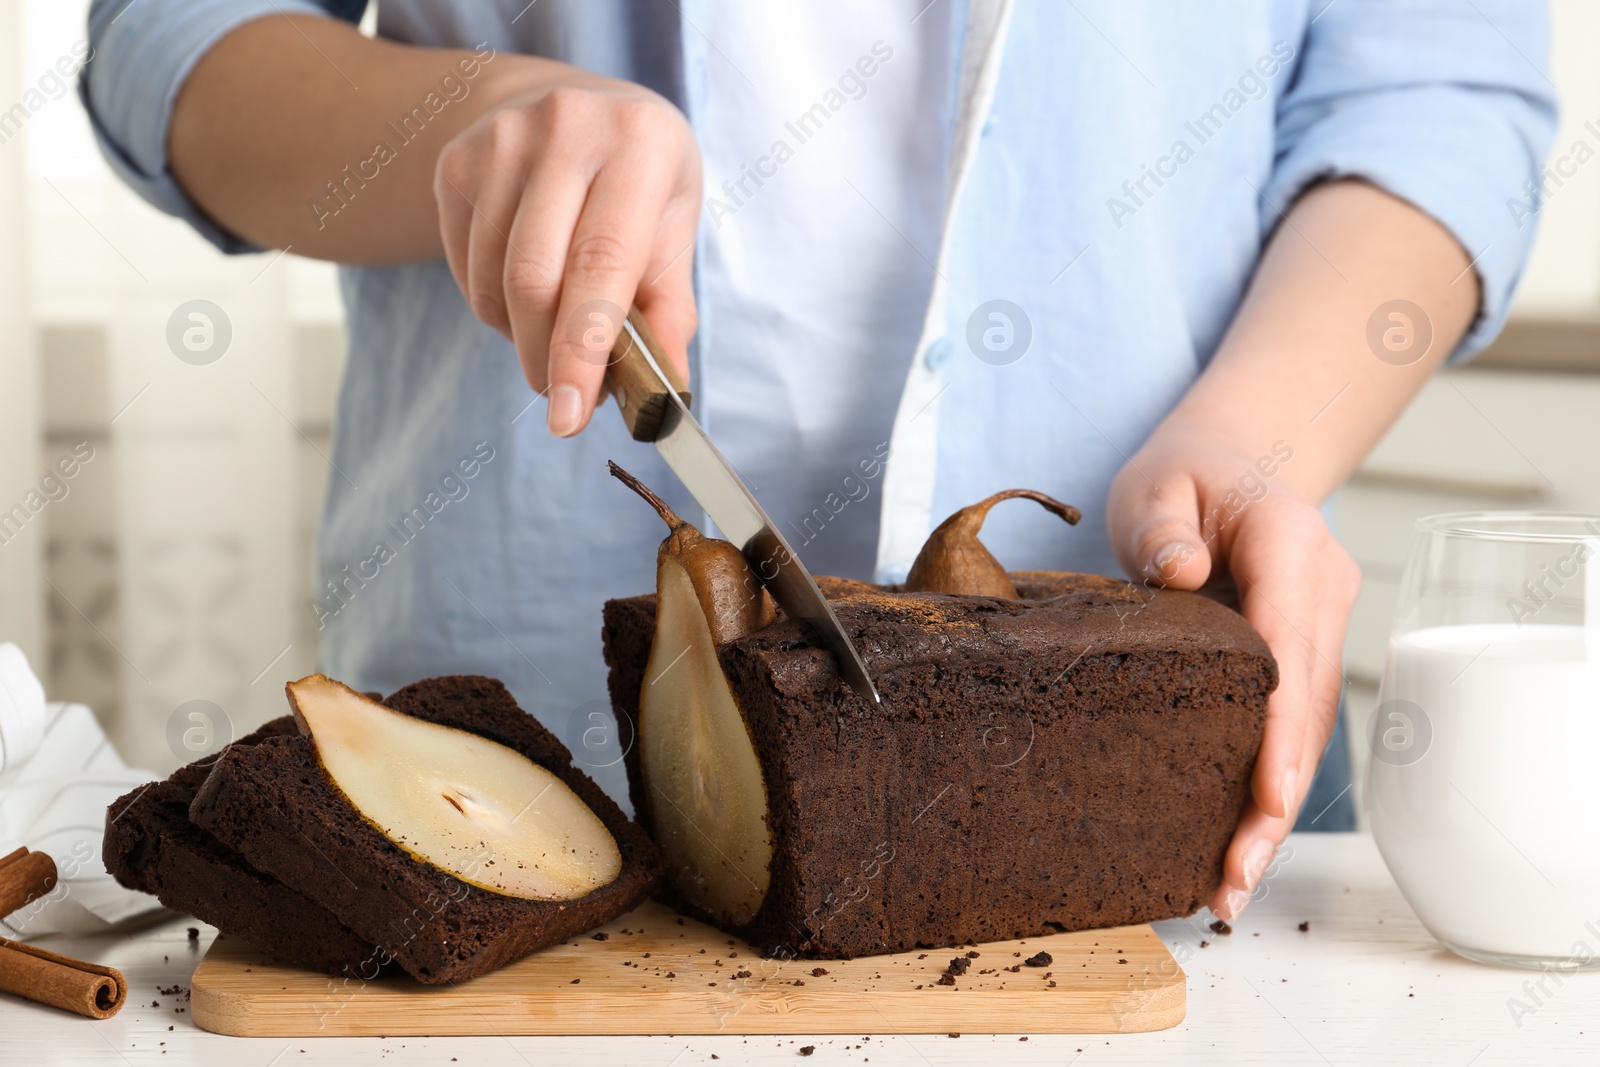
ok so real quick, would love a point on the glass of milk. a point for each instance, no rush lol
(1483, 790)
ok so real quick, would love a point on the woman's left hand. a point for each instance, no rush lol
(1196, 514)
(1223, 496)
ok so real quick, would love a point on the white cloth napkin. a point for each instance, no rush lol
(58, 773)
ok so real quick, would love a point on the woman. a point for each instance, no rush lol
(1179, 270)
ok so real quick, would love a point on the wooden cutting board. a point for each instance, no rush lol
(656, 974)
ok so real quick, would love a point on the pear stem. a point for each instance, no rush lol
(668, 516)
(1049, 503)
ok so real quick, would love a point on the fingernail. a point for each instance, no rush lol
(566, 410)
(1256, 859)
(1165, 563)
(1234, 903)
(1286, 787)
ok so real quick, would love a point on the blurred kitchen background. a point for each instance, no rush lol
(176, 566)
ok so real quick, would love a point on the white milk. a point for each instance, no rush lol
(1493, 834)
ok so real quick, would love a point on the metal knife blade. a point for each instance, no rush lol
(717, 488)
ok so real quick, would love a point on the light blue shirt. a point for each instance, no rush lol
(1114, 169)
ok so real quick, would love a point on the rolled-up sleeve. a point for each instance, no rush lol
(140, 54)
(1444, 103)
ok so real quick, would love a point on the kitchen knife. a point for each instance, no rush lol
(655, 406)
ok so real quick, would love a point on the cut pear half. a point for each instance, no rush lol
(462, 803)
(707, 795)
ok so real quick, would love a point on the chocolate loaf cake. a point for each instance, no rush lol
(1076, 758)
(274, 804)
(150, 845)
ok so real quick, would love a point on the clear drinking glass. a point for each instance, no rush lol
(1482, 789)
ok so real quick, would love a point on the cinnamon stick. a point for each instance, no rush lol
(86, 988)
(24, 876)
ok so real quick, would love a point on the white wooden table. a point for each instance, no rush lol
(1364, 984)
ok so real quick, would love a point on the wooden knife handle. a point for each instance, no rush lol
(636, 388)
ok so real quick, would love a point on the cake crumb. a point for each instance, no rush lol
(806, 1050)
(972, 954)
(818, 972)
(955, 1035)
(575, 981)
(1305, 927)
(194, 933)
(958, 966)
(600, 935)
(1042, 959)
(923, 956)
(1024, 1037)
(672, 974)
(1220, 927)
(945, 979)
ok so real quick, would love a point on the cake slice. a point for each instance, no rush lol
(276, 804)
(150, 845)
(1074, 758)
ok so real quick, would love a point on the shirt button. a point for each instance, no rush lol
(938, 353)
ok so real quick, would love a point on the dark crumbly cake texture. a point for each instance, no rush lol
(150, 845)
(273, 803)
(1075, 759)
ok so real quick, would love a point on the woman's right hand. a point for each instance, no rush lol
(560, 208)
